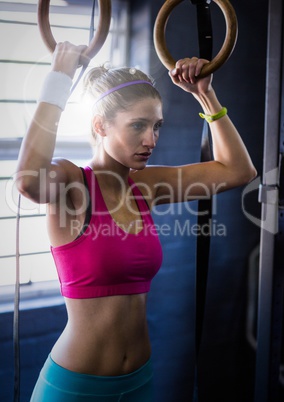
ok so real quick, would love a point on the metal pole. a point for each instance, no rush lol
(267, 357)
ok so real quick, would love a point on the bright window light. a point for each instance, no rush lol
(24, 62)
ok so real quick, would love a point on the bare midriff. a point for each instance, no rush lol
(105, 336)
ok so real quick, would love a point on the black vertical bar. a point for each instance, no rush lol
(266, 378)
(205, 41)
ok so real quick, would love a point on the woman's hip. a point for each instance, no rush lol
(56, 383)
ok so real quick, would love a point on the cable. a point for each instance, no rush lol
(16, 344)
(92, 23)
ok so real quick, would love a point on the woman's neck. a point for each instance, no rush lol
(115, 172)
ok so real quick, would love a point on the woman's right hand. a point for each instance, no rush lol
(67, 58)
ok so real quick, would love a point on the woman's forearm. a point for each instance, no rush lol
(37, 147)
(228, 147)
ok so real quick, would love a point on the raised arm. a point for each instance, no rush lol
(232, 165)
(36, 169)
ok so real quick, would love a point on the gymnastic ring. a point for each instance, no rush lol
(97, 41)
(225, 51)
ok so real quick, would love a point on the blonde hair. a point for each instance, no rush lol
(100, 80)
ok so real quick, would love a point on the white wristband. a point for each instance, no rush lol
(56, 89)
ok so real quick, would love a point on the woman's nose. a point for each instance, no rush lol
(149, 139)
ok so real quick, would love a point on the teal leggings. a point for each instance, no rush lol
(56, 384)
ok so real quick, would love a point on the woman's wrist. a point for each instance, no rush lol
(56, 89)
(209, 102)
(216, 116)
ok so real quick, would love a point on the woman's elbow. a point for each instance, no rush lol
(248, 175)
(27, 186)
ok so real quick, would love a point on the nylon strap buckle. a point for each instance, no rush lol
(268, 194)
(273, 191)
(281, 181)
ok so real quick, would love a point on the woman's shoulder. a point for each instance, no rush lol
(64, 162)
(67, 168)
(147, 181)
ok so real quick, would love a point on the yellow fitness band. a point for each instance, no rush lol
(210, 118)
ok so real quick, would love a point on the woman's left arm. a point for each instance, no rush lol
(232, 165)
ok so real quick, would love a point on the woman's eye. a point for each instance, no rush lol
(158, 126)
(138, 126)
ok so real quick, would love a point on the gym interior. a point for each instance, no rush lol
(241, 354)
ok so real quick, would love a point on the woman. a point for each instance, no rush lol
(103, 239)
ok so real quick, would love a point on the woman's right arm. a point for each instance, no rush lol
(38, 176)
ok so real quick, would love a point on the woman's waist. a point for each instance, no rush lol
(104, 337)
(108, 356)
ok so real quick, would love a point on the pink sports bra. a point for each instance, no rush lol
(105, 260)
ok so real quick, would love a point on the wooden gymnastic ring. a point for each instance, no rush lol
(97, 41)
(225, 51)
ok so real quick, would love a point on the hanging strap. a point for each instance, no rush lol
(204, 26)
(205, 41)
(204, 206)
(91, 36)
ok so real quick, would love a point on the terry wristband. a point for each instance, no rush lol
(210, 118)
(56, 89)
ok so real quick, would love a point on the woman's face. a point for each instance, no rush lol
(133, 134)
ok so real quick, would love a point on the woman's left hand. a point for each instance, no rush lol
(185, 75)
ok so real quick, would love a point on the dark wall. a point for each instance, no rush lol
(225, 359)
(39, 329)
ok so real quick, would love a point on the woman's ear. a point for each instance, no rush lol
(98, 125)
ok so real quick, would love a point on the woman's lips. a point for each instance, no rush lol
(144, 155)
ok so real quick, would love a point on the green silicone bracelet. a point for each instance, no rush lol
(209, 118)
